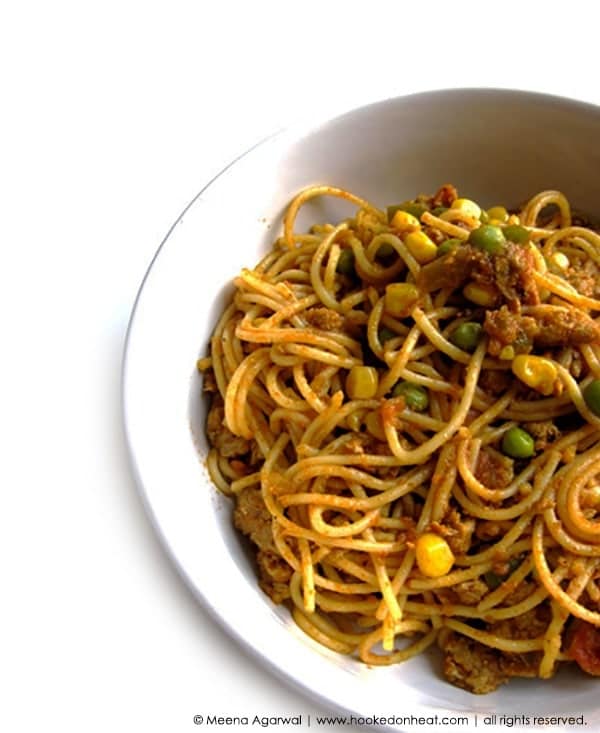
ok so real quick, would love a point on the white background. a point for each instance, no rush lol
(113, 115)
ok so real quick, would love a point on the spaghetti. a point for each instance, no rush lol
(406, 410)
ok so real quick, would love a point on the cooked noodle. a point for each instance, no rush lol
(421, 464)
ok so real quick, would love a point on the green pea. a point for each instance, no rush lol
(447, 246)
(591, 395)
(517, 443)
(391, 210)
(415, 397)
(498, 212)
(488, 237)
(484, 217)
(493, 580)
(386, 250)
(345, 263)
(412, 207)
(439, 210)
(517, 234)
(466, 336)
(385, 334)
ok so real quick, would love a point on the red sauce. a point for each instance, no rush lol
(584, 647)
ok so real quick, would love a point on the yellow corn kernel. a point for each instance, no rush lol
(536, 372)
(354, 420)
(374, 425)
(513, 219)
(507, 353)
(420, 247)
(499, 213)
(434, 556)
(560, 261)
(400, 299)
(467, 207)
(405, 222)
(362, 382)
(480, 294)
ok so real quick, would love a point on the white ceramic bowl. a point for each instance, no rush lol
(496, 146)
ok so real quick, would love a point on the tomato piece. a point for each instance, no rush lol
(584, 646)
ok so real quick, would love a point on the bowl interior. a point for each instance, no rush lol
(496, 147)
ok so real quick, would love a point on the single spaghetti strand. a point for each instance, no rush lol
(312, 192)
(420, 454)
(553, 588)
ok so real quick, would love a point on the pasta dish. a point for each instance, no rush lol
(405, 409)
